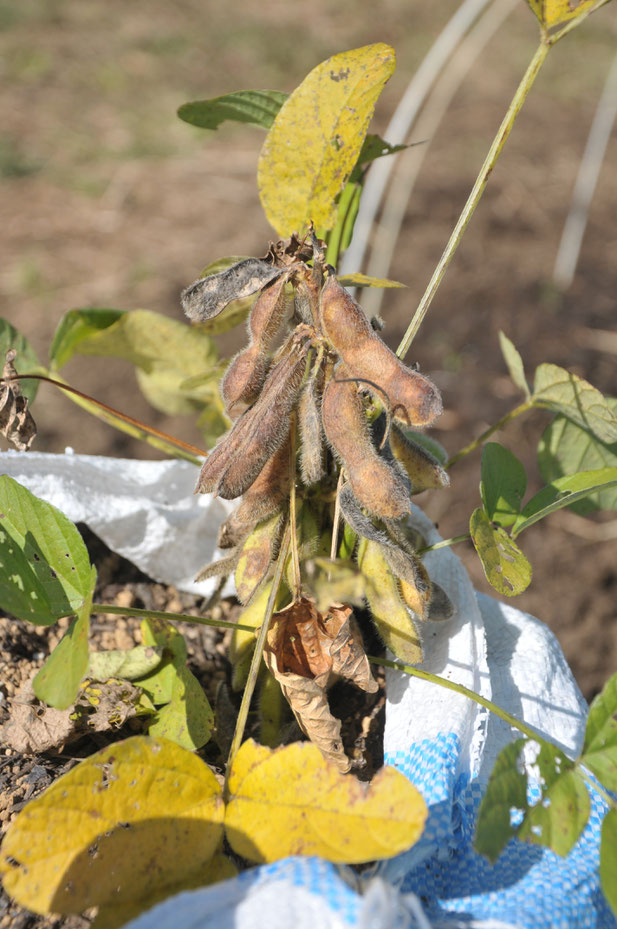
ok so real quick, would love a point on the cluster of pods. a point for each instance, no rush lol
(318, 399)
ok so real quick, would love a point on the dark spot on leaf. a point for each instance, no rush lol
(35, 556)
(53, 573)
(341, 75)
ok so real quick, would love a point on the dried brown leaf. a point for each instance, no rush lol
(16, 422)
(305, 651)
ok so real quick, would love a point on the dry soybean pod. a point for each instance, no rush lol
(376, 485)
(413, 398)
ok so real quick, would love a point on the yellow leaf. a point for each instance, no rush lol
(139, 817)
(393, 620)
(316, 138)
(258, 552)
(243, 642)
(291, 801)
(555, 12)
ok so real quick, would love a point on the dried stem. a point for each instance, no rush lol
(336, 519)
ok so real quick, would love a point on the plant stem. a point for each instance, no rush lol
(257, 654)
(598, 788)
(172, 617)
(521, 408)
(465, 692)
(476, 192)
(445, 543)
(122, 421)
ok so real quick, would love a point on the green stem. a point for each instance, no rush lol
(257, 654)
(521, 408)
(474, 197)
(465, 692)
(172, 617)
(445, 543)
(336, 235)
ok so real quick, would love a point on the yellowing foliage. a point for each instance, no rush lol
(140, 817)
(316, 810)
(323, 123)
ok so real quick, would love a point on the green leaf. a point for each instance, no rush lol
(256, 107)
(600, 748)
(505, 566)
(74, 327)
(356, 279)
(165, 351)
(514, 363)
(127, 664)
(566, 448)
(188, 718)
(506, 791)
(503, 484)
(556, 820)
(608, 858)
(375, 147)
(26, 361)
(315, 140)
(57, 683)
(44, 564)
(563, 492)
(562, 392)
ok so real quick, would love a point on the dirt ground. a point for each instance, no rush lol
(107, 199)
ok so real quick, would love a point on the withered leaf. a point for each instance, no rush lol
(33, 728)
(305, 651)
(208, 296)
(16, 422)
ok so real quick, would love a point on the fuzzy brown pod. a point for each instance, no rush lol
(207, 297)
(247, 372)
(424, 470)
(305, 650)
(236, 461)
(266, 495)
(412, 397)
(376, 485)
(311, 434)
(16, 422)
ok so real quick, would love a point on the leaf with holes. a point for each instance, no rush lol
(505, 566)
(562, 392)
(44, 564)
(316, 138)
(555, 820)
(316, 810)
(141, 817)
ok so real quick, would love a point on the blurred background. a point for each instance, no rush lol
(109, 200)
